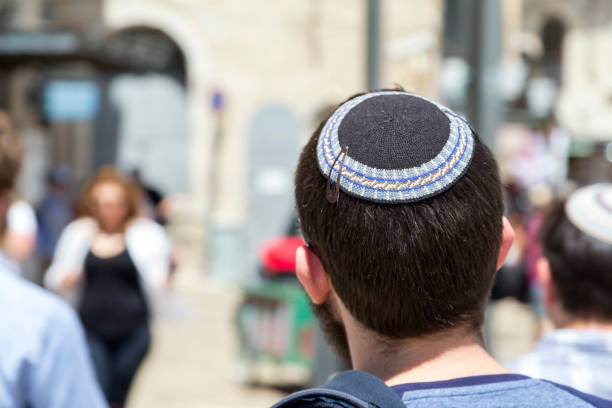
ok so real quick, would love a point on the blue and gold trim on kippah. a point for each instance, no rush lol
(396, 185)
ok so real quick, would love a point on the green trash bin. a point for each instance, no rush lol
(277, 332)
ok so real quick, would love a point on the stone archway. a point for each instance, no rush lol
(186, 32)
(142, 121)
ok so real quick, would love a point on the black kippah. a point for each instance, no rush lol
(396, 147)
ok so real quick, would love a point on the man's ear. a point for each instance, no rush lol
(311, 274)
(506, 244)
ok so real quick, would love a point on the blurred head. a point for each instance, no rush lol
(60, 177)
(11, 155)
(576, 269)
(111, 198)
(406, 269)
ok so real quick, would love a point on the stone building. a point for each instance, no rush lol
(252, 75)
(564, 46)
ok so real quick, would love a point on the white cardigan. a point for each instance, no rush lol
(146, 242)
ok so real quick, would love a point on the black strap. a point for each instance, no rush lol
(356, 389)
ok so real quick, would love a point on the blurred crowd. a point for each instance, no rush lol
(202, 109)
(536, 175)
(102, 246)
(105, 252)
(35, 228)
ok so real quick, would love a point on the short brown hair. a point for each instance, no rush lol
(109, 174)
(407, 270)
(579, 265)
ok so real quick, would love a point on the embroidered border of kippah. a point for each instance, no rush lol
(397, 185)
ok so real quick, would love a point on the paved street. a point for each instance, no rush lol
(194, 348)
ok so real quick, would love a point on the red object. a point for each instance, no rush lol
(278, 255)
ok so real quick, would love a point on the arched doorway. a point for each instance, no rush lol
(142, 124)
(189, 36)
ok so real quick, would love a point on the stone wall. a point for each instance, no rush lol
(299, 54)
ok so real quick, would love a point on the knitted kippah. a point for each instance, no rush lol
(590, 210)
(394, 147)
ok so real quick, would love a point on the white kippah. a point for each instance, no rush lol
(590, 210)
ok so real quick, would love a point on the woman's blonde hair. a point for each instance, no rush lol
(109, 174)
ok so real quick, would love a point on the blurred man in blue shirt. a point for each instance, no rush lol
(43, 358)
(576, 279)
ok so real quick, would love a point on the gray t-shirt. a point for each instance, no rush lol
(499, 390)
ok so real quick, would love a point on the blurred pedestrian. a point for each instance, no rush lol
(54, 211)
(575, 274)
(21, 230)
(44, 361)
(109, 263)
(19, 238)
(400, 204)
(511, 280)
(155, 205)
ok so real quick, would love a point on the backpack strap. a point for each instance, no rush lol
(350, 389)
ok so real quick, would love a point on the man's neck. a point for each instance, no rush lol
(582, 324)
(441, 356)
(562, 319)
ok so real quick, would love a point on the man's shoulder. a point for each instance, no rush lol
(589, 398)
(35, 326)
(577, 358)
(359, 389)
(44, 357)
(31, 308)
(504, 390)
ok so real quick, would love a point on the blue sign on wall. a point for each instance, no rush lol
(66, 100)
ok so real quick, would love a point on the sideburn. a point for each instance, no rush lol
(333, 329)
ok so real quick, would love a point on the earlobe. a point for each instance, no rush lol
(311, 275)
(506, 244)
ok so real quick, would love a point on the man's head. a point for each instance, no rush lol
(575, 271)
(412, 243)
(11, 153)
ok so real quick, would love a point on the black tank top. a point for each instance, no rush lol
(113, 302)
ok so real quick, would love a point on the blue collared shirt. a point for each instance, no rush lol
(581, 359)
(44, 361)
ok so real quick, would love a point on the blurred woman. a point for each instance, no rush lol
(108, 264)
